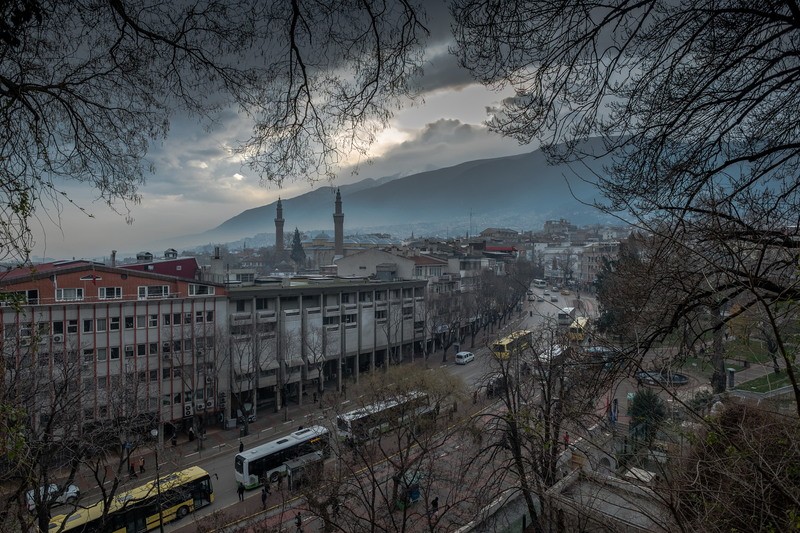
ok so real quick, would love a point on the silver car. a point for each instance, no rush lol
(53, 494)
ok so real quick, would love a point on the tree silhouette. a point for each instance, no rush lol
(691, 104)
(85, 89)
(298, 255)
(647, 413)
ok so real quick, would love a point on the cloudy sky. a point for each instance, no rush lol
(197, 185)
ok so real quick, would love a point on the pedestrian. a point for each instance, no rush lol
(264, 495)
(141, 464)
(315, 397)
(241, 446)
(240, 491)
(434, 506)
(174, 439)
(298, 521)
(132, 467)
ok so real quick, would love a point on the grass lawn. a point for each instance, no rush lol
(767, 382)
(754, 351)
(702, 365)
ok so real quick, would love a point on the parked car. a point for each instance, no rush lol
(540, 299)
(546, 293)
(53, 494)
(462, 358)
(554, 298)
(565, 292)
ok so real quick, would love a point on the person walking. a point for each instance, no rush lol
(241, 446)
(298, 521)
(240, 491)
(434, 506)
(132, 467)
(141, 464)
(264, 495)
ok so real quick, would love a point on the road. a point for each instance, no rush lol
(219, 460)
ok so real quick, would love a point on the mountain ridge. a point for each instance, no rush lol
(512, 191)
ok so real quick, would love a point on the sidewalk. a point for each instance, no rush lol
(185, 453)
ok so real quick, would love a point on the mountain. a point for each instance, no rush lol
(519, 191)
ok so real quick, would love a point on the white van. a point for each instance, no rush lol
(462, 358)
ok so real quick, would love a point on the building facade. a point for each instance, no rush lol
(113, 343)
(293, 338)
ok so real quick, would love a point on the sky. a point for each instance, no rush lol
(197, 184)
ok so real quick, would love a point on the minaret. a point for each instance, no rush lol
(338, 226)
(279, 228)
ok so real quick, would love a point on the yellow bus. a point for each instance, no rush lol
(512, 344)
(171, 497)
(578, 329)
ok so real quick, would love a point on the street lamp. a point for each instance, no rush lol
(154, 434)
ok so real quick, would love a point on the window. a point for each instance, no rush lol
(69, 295)
(209, 316)
(176, 319)
(154, 375)
(58, 327)
(200, 290)
(114, 351)
(153, 348)
(88, 356)
(72, 326)
(141, 321)
(198, 317)
(113, 324)
(100, 325)
(331, 320)
(109, 293)
(166, 373)
(380, 314)
(166, 319)
(240, 306)
(153, 291)
(129, 349)
(187, 318)
(165, 400)
(350, 318)
(141, 350)
(129, 321)
(88, 325)
(101, 354)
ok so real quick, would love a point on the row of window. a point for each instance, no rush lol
(114, 323)
(263, 304)
(144, 292)
(180, 345)
(104, 383)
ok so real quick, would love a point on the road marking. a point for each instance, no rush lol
(267, 429)
(191, 454)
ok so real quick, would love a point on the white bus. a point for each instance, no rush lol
(365, 423)
(268, 460)
(566, 316)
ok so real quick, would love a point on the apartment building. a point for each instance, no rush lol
(293, 337)
(112, 343)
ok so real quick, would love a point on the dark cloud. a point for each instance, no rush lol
(443, 73)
